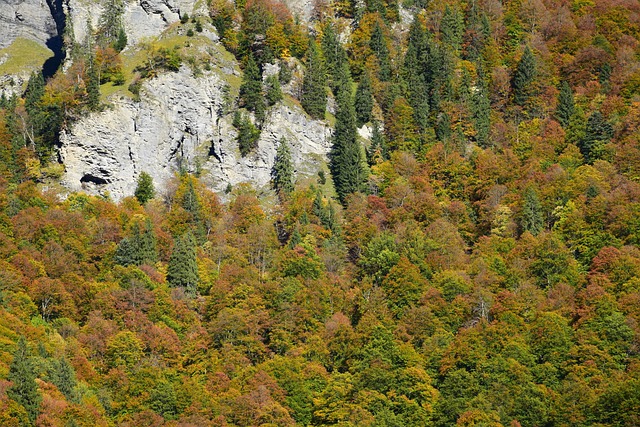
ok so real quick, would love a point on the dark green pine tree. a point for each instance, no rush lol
(481, 107)
(24, 389)
(121, 40)
(110, 22)
(148, 244)
(523, 78)
(274, 91)
(452, 28)
(182, 270)
(93, 87)
(318, 208)
(314, 94)
(378, 45)
(443, 128)
(532, 220)
(248, 133)
(597, 135)
(145, 190)
(334, 55)
(64, 377)
(347, 162)
(34, 93)
(139, 247)
(566, 106)
(251, 89)
(414, 78)
(126, 252)
(282, 172)
(364, 99)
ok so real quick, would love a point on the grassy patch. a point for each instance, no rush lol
(23, 54)
(195, 51)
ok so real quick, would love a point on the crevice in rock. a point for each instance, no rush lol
(55, 43)
(212, 152)
(90, 179)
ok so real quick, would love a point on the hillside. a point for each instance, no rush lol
(343, 214)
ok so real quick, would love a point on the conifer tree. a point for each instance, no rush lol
(182, 270)
(148, 244)
(414, 76)
(34, 93)
(566, 106)
(110, 23)
(282, 172)
(334, 55)
(523, 77)
(251, 89)
(93, 87)
(364, 99)
(314, 94)
(481, 107)
(248, 133)
(24, 389)
(64, 377)
(597, 134)
(139, 247)
(121, 40)
(452, 28)
(532, 220)
(347, 163)
(274, 91)
(145, 190)
(378, 45)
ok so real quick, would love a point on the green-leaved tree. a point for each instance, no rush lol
(145, 190)
(182, 270)
(24, 389)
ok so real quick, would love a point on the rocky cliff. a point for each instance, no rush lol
(179, 121)
(179, 124)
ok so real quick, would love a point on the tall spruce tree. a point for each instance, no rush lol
(597, 134)
(248, 133)
(523, 78)
(532, 220)
(566, 106)
(347, 162)
(182, 270)
(64, 377)
(364, 99)
(139, 247)
(452, 28)
(273, 93)
(378, 45)
(481, 107)
(34, 93)
(334, 55)
(251, 89)
(24, 389)
(93, 86)
(110, 23)
(415, 78)
(282, 172)
(314, 94)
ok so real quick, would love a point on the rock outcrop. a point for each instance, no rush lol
(31, 19)
(179, 124)
(179, 121)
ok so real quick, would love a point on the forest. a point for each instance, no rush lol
(476, 262)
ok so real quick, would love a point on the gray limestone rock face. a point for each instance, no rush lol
(178, 125)
(31, 19)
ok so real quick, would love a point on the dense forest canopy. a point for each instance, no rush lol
(474, 262)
